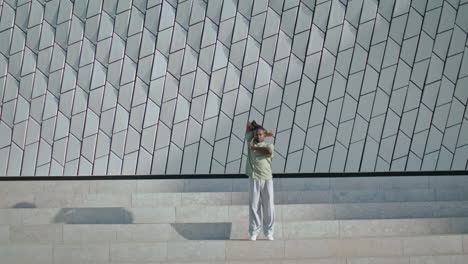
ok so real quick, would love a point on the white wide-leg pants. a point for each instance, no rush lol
(261, 207)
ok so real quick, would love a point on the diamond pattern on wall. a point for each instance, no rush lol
(111, 87)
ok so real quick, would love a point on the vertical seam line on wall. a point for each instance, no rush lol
(158, 123)
(208, 88)
(422, 89)
(224, 85)
(377, 87)
(299, 83)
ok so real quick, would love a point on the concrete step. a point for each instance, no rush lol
(238, 250)
(233, 213)
(68, 233)
(86, 255)
(52, 199)
(231, 185)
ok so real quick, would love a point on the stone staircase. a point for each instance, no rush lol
(371, 220)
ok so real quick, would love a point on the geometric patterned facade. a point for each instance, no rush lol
(110, 87)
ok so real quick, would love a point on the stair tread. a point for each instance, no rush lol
(263, 249)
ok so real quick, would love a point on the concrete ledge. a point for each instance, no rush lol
(36, 215)
(156, 199)
(213, 214)
(54, 200)
(465, 243)
(197, 250)
(311, 229)
(72, 186)
(57, 233)
(332, 260)
(138, 252)
(405, 246)
(408, 227)
(26, 253)
(4, 233)
(202, 214)
(448, 259)
(12, 216)
(378, 260)
(253, 250)
(325, 251)
(89, 233)
(81, 253)
(36, 233)
(414, 246)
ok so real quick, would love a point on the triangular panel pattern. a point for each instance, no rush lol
(166, 87)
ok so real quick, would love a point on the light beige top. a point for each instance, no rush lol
(258, 163)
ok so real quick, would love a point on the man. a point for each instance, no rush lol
(258, 169)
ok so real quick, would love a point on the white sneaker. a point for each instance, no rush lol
(270, 237)
(253, 238)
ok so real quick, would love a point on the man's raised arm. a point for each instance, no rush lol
(250, 127)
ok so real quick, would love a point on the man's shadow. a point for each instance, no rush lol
(91, 215)
(119, 215)
(203, 231)
(103, 215)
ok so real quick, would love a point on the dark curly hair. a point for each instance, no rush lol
(257, 126)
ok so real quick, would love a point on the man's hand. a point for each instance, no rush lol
(264, 150)
(251, 144)
(269, 134)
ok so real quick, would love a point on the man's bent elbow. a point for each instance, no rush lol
(249, 127)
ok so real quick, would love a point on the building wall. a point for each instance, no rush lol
(107, 87)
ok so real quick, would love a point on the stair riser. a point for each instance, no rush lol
(98, 256)
(50, 200)
(235, 250)
(212, 214)
(225, 231)
(232, 185)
